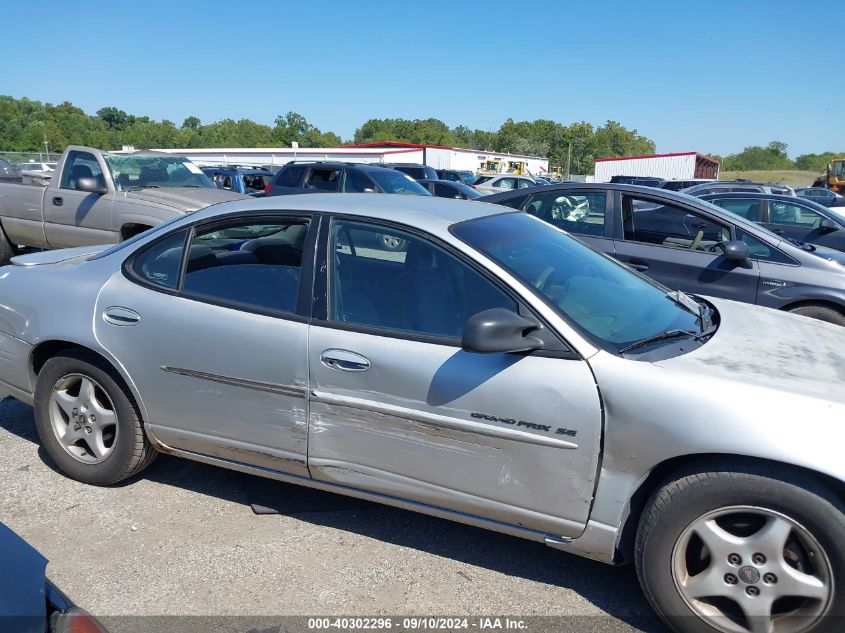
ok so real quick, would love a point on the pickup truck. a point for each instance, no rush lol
(98, 197)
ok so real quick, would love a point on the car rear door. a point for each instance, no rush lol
(397, 407)
(215, 337)
(682, 248)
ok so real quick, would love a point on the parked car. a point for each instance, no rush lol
(821, 195)
(247, 180)
(29, 602)
(688, 244)
(416, 171)
(457, 175)
(643, 181)
(322, 176)
(97, 197)
(724, 186)
(8, 170)
(651, 426)
(450, 189)
(792, 217)
(488, 184)
(677, 185)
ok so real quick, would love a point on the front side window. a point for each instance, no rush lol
(251, 263)
(392, 181)
(796, 215)
(611, 304)
(382, 277)
(159, 264)
(580, 213)
(761, 251)
(81, 165)
(524, 184)
(663, 224)
(356, 182)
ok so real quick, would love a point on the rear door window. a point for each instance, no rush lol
(788, 214)
(356, 182)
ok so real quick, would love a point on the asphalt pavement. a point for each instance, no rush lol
(182, 539)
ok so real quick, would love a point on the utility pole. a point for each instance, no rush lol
(46, 149)
(569, 162)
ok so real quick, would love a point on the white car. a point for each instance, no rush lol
(502, 182)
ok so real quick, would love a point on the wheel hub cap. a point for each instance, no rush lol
(83, 418)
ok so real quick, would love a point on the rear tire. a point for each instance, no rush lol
(822, 313)
(96, 438)
(7, 251)
(717, 548)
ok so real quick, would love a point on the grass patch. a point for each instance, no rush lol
(791, 177)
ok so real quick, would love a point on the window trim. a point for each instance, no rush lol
(320, 316)
(302, 310)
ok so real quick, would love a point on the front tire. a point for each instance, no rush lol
(88, 421)
(744, 549)
(822, 313)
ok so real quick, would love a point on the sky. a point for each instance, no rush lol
(713, 76)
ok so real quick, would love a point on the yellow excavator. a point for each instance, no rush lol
(518, 167)
(834, 177)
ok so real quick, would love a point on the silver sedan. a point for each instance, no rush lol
(486, 368)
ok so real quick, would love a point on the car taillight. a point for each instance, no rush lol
(76, 620)
(268, 187)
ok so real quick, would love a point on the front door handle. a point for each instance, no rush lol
(58, 201)
(344, 360)
(121, 316)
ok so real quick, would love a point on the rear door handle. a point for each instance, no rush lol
(58, 201)
(344, 360)
(121, 316)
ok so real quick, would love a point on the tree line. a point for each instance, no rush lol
(25, 124)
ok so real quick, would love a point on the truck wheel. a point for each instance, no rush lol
(821, 313)
(742, 550)
(88, 421)
(7, 251)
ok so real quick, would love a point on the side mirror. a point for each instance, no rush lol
(737, 251)
(827, 225)
(500, 331)
(91, 185)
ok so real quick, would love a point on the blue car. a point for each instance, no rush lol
(251, 181)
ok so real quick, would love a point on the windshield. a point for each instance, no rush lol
(392, 181)
(140, 171)
(611, 305)
(468, 177)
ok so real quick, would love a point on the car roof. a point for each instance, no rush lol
(426, 212)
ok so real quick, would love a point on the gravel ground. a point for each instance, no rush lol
(182, 539)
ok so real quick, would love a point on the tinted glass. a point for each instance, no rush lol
(159, 264)
(323, 179)
(81, 165)
(392, 181)
(443, 190)
(593, 292)
(748, 208)
(255, 182)
(386, 278)
(291, 176)
(482, 179)
(793, 215)
(571, 211)
(356, 182)
(655, 222)
(249, 263)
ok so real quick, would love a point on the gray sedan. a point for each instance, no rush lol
(492, 370)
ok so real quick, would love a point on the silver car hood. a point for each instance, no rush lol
(773, 349)
(183, 198)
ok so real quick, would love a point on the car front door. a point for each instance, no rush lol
(802, 223)
(397, 406)
(682, 248)
(73, 217)
(215, 340)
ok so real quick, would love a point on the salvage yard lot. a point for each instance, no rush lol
(182, 539)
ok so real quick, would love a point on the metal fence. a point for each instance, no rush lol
(21, 158)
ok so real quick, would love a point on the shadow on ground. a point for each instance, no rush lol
(615, 590)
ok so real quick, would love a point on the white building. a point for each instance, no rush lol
(437, 156)
(680, 166)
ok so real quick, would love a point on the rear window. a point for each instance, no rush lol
(256, 182)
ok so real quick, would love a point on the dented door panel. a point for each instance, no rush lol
(486, 434)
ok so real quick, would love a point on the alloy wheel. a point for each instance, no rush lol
(83, 418)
